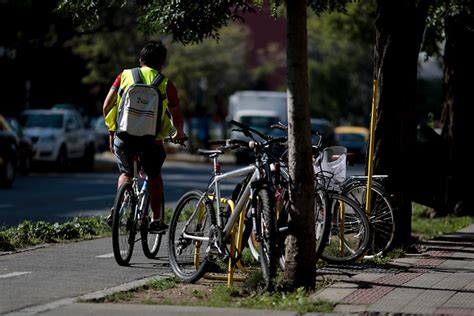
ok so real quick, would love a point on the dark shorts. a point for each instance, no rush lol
(151, 158)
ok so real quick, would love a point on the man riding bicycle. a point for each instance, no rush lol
(152, 156)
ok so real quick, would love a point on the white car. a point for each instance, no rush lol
(58, 135)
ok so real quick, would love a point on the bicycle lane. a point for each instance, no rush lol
(440, 280)
(56, 272)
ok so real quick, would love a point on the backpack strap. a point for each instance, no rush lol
(158, 80)
(137, 77)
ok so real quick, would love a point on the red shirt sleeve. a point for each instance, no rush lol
(172, 94)
(116, 83)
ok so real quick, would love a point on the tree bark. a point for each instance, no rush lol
(457, 114)
(300, 270)
(399, 29)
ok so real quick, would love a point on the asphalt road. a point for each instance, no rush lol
(59, 197)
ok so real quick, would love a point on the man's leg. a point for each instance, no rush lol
(123, 178)
(156, 196)
(152, 161)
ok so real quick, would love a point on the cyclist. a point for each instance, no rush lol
(151, 59)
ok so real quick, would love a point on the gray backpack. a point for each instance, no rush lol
(139, 117)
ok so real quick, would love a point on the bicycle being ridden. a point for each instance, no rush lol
(132, 215)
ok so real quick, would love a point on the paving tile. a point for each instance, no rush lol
(426, 280)
(460, 300)
(427, 302)
(455, 281)
(395, 300)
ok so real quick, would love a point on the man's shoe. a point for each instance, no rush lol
(157, 227)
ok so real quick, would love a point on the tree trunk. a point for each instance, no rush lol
(399, 29)
(300, 270)
(456, 118)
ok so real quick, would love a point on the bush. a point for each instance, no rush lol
(30, 233)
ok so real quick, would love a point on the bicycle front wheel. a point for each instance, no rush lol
(381, 215)
(349, 235)
(123, 224)
(322, 221)
(150, 242)
(268, 233)
(188, 241)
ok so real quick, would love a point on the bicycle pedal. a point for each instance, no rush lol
(213, 250)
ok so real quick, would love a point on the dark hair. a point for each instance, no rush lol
(153, 54)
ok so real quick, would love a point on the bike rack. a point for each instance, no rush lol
(235, 245)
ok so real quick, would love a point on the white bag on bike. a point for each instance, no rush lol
(332, 164)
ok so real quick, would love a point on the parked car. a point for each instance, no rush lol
(8, 154)
(25, 147)
(355, 139)
(58, 136)
(101, 134)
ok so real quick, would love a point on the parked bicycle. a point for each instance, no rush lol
(342, 228)
(276, 162)
(201, 226)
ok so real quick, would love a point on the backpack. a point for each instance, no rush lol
(140, 110)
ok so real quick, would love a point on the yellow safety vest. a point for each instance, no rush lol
(126, 80)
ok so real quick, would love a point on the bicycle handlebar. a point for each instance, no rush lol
(179, 141)
(247, 130)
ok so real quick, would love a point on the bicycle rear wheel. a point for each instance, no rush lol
(150, 242)
(188, 241)
(381, 215)
(123, 224)
(349, 235)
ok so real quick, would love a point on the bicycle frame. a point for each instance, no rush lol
(215, 187)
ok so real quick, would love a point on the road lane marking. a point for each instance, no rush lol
(107, 255)
(6, 205)
(13, 274)
(94, 198)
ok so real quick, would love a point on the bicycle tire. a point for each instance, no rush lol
(150, 242)
(123, 224)
(349, 236)
(381, 218)
(266, 222)
(188, 258)
(322, 221)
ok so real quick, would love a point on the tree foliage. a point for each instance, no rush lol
(341, 64)
(217, 68)
(439, 14)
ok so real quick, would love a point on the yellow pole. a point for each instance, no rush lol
(342, 218)
(370, 166)
(230, 267)
(240, 239)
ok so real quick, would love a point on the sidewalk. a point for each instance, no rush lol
(438, 281)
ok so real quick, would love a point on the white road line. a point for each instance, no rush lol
(94, 198)
(107, 255)
(6, 205)
(13, 274)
